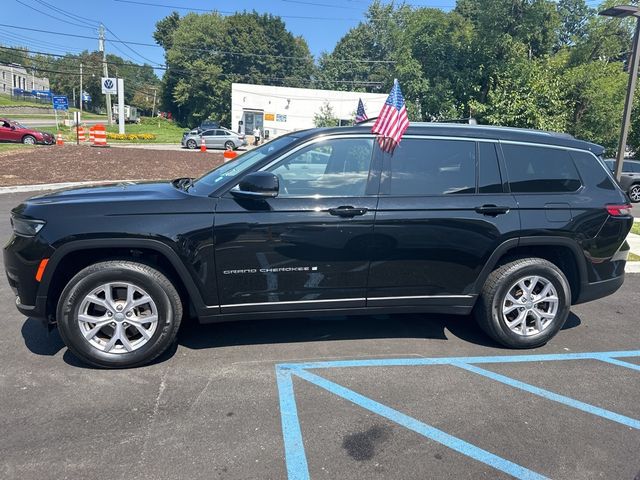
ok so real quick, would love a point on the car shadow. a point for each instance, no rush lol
(196, 336)
(299, 330)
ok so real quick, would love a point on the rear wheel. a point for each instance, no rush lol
(229, 145)
(524, 303)
(634, 193)
(119, 314)
(29, 140)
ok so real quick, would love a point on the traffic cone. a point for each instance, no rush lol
(203, 146)
(229, 155)
(59, 140)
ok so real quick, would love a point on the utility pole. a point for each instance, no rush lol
(105, 71)
(153, 109)
(81, 88)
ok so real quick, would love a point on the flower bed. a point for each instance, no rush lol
(130, 136)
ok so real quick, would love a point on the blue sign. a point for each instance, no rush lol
(60, 102)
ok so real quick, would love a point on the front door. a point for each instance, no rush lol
(442, 212)
(308, 247)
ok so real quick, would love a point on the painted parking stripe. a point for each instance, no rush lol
(296, 459)
(541, 392)
(620, 363)
(407, 362)
(421, 428)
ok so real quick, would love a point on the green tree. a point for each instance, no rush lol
(325, 117)
(206, 53)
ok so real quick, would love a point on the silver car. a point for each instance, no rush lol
(214, 138)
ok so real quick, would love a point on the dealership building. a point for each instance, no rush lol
(14, 77)
(280, 110)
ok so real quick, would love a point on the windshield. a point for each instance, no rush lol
(242, 163)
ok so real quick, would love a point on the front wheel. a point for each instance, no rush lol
(524, 303)
(191, 144)
(119, 314)
(29, 140)
(634, 193)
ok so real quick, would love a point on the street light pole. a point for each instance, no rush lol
(628, 104)
(623, 11)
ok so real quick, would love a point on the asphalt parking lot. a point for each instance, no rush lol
(400, 397)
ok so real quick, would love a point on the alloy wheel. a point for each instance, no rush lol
(530, 305)
(634, 193)
(118, 317)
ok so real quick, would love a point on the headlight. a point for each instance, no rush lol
(25, 226)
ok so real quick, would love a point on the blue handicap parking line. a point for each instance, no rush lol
(296, 460)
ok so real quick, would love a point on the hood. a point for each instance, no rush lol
(111, 192)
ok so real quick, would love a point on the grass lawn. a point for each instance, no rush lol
(8, 147)
(7, 101)
(633, 257)
(165, 131)
(636, 228)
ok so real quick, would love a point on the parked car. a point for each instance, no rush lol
(11, 131)
(514, 226)
(630, 178)
(209, 125)
(215, 138)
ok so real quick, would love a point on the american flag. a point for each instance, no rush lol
(361, 115)
(393, 120)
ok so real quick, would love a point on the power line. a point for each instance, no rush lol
(211, 50)
(182, 72)
(50, 15)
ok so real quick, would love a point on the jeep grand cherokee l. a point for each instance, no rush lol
(513, 225)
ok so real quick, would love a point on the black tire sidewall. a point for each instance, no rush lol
(71, 300)
(562, 288)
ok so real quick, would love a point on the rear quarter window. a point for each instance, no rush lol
(534, 169)
(592, 171)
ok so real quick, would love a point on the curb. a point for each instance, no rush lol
(56, 186)
(632, 267)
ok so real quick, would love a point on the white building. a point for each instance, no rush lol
(280, 110)
(13, 76)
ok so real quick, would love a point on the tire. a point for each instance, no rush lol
(229, 145)
(191, 144)
(493, 302)
(84, 298)
(29, 140)
(634, 193)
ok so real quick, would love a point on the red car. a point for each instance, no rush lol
(11, 131)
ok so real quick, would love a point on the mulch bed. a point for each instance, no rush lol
(77, 164)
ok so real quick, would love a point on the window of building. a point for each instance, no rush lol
(433, 167)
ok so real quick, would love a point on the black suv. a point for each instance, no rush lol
(511, 224)
(630, 179)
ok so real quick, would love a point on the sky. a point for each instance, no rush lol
(321, 22)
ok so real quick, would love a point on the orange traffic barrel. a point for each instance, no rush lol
(59, 140)
(99, 136)
(229, 155)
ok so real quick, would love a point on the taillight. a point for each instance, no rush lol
(619, 210)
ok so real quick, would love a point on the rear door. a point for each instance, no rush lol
(443, 210)
(308, 247)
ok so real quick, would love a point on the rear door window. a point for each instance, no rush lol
(537, 169)
(433, 167)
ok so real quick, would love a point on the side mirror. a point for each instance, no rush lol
(258, 185)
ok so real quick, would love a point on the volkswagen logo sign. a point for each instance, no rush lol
(108, 83)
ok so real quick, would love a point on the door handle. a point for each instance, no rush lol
(492, 210)
(346, 211)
